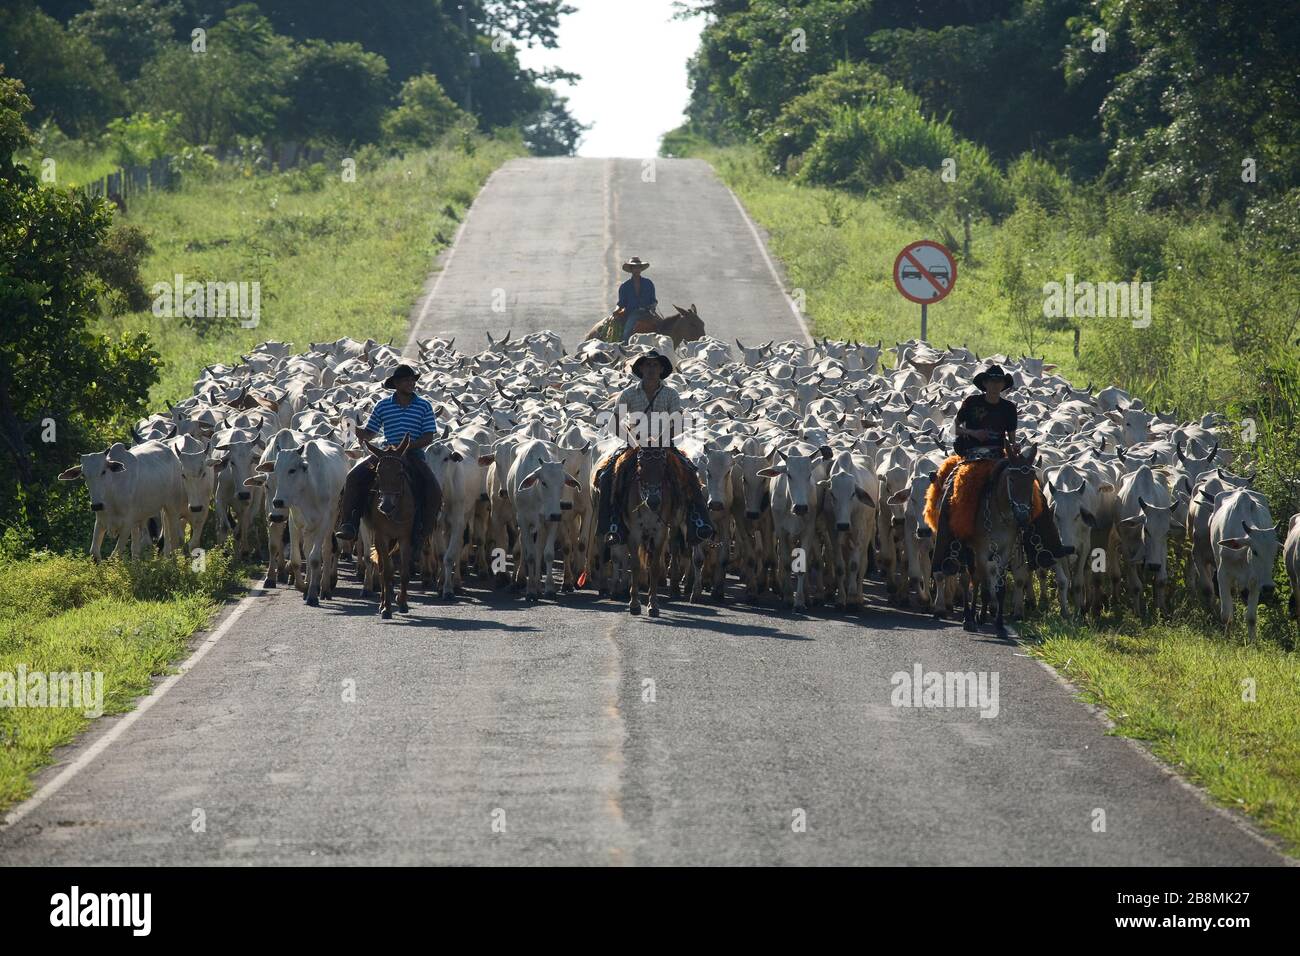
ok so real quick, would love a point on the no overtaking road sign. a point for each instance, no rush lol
(924, 272)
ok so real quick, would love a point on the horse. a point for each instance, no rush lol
(654, 508)
(390, 513)
(685, 325)
(1006, 507)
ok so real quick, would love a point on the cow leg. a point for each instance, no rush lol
(313, 574)
(546, 571)
(97, 538)
(451, 556)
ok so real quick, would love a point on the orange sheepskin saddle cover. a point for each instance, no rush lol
(968, 488)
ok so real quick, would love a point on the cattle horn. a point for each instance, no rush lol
(1119, 452)
(1178, 450)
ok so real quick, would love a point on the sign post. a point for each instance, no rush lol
(924, 272)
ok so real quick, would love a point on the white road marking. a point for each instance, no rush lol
(411, 343)
(86, 757)
(771, 266)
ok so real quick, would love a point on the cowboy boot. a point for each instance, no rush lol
(947, 549)
(608, 527)
(355, 489)
(1043, 542)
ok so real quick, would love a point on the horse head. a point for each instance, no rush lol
(390, 481)
(685, 325)
(1017, 477)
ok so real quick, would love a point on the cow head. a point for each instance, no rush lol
(196, 476)
(546, 483)
(99, 472)
(1147, 535)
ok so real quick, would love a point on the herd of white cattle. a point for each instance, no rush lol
(855, 445)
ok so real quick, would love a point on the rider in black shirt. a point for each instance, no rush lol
(986, 428)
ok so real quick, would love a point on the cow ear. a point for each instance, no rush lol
(72, 474)
(115, 465)
(487, 459)
(827, 454)
(457, 456)
(528, 482)
(900, 497)
(571, 481)
(862, 495)
(216, 464)
(772, 472)
(265, 467)
(256, 481)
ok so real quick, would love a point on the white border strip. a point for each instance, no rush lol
(771, 266)
(86, 757)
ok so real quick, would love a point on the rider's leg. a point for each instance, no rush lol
(698, 526)
(428, 496)
(1043, 541)
(355, 489)
(607, 523)
(947, 549)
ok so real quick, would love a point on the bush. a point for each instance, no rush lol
(866, 147)
(1038, 181)
(804, 117)
(423, 116)
(141, 138)
(1135, 240)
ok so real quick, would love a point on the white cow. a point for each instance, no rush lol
(308, 484)
(796, 502)
(128, 488)
(1245, 545)
(535, 485)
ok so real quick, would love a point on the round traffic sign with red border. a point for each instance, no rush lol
(924, 271)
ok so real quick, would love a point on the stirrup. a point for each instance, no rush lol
(346, 532)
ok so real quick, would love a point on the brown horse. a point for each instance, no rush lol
(1005, 510)
(683, 326)
(390, 513)
(654, 508)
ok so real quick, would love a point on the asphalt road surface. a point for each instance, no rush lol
(489, 731)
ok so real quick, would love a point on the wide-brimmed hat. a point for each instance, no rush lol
(402, 371)
(635, 265)
(993, 371)
(635, 365)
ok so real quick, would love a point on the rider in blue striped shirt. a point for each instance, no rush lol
(398, 416)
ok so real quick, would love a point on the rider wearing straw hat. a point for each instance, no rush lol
(636, 296)
(649, 396)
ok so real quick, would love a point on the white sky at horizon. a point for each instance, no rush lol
(632, 58)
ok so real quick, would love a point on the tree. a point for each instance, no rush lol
(58, 378)
(335, 91)
(424, 114)
(129, 32)
(234, 88)
(67, 77)
(553, 131)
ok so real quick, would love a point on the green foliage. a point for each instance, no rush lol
(336, 92)
(139, 139)
(68, 77)
(854, 86)
(1035, 180)
(129, 32)
(53, 367)
(424, 115)
(235, 88)
(553, 131)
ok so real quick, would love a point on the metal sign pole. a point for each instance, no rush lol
(923, 308)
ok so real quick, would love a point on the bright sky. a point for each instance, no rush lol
(632, 59)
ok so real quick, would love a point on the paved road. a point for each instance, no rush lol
(537, 718)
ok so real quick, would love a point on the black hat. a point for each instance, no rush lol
(667, 366)
(402, 371)
(993, 371)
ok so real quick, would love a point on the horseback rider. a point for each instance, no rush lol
(401, 414)
(636, 297)
(986, 429)
(646, 398)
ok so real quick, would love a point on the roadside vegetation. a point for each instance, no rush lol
(1039, 141)
(410, 111)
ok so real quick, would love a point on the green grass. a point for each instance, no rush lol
(333, 258)
(1179, 689)
(1176, 686)
(839, 249)
(128, 621)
